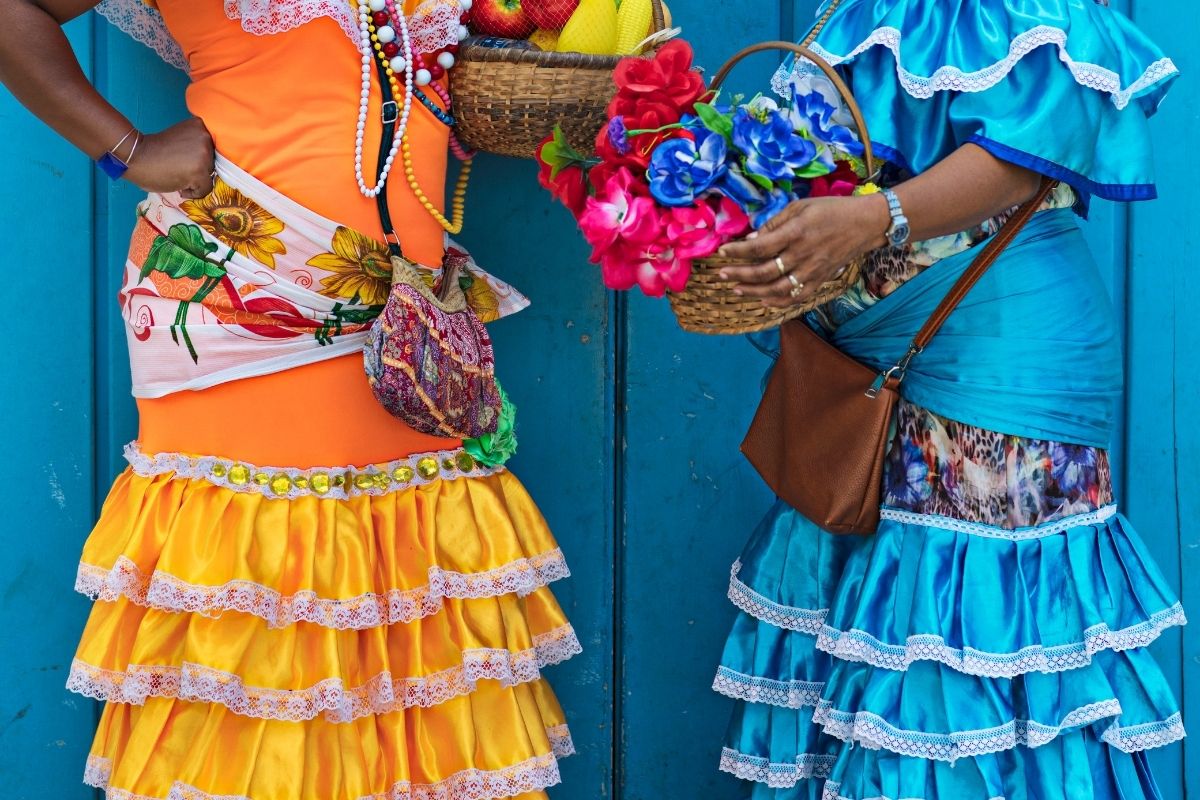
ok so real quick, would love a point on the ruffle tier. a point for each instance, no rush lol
(863, 663)
(381, 639)
(1062, 87)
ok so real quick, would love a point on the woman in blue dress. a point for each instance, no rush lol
(989, 641)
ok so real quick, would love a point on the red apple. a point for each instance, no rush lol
(551, 14)
(505, 18)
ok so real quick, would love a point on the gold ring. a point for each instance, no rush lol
(779, 265)
(797, 286)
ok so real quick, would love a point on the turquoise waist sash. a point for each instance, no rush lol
(1032, 351)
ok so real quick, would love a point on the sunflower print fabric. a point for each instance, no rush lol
(246, 282)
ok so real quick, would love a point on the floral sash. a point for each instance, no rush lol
(246, 282)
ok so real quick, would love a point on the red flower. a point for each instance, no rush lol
(839, 183)
(668, 78)
(569, 186)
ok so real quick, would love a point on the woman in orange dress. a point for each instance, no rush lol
(299, 597)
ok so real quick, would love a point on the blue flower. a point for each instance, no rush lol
(907, 475)
(681, 169)
(772, 147)
(772, 205)
(1073, 466)
(737, 187)
(618, 135)
(811, 113)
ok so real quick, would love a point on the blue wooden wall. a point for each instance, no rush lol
(629, 434)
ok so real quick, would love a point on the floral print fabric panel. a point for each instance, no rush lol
(245, 282)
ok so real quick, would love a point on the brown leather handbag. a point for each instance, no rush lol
(819, 438)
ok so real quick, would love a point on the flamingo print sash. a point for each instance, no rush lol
(246, 282)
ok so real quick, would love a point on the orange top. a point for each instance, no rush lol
(284, 108)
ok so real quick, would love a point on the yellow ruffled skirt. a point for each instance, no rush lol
(346, 633)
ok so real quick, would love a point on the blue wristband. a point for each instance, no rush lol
(112, 166)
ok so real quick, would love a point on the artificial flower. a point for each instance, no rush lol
(669, 77)
(620, 212)
(730, 222)
(776, 201)
(840, 183)
(683, 169)
(692, 231)
(772, 147)
(561, 173)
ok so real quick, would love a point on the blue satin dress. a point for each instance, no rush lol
(988, 642)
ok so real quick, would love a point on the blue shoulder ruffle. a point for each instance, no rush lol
(1063, 87)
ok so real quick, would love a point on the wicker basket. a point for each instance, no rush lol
(507, 101)
(708, 304)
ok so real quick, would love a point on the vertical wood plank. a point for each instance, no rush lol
(691, 500)
(46, 385)
(1163, 442)
(555, 361)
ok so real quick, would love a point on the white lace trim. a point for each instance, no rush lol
(145, 25)
(534, 775)
(561, 743)
(775, 775)
(168, 593)
(330, 483)
(1051, 528)
(433, 26)
(787, 617)
(380, 695)
(751, 689)
(858, 645)
(950, 78)
(876, 733)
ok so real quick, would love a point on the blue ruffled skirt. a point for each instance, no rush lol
(943, 659)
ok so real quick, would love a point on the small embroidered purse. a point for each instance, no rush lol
(429, 358)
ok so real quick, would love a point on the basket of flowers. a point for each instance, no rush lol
(678, 172)
(534, 64)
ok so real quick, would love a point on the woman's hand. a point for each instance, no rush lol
(809, 243)
(179, 159)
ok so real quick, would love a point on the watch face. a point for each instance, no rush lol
(898, 235)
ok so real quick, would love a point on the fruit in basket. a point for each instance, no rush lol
(505, 18)
(592, 29)
(545, 39)
(634, 18)
(550, 14)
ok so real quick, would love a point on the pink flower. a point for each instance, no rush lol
(620, 213)
(655, 268)
(732, 222)
(693, 231)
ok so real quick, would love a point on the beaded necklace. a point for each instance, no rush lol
(379, 41)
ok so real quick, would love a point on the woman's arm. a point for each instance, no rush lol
(40, 69)
(815, 238)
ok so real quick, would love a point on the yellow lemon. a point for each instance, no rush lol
(544, 39)
(591, 29)
(633, 19)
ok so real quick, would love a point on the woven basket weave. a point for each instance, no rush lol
(708, 304)
(507, 101)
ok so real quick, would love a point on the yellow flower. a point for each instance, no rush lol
(866, 188)
(361, 267)
(237, 221)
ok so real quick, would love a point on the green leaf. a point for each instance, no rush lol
(181, 254)
(764, 182)
(190, 238)
(814, 170)
(560, 155)
(714, 120)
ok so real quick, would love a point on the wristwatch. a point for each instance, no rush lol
(897, 234)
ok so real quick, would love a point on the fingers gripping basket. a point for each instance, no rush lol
(507, 101)
(708, 303)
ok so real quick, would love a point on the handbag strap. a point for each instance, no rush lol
(892, 376)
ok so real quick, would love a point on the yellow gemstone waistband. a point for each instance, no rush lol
(337, 483)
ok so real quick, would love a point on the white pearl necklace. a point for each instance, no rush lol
(365, 8)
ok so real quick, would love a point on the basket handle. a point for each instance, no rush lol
(660, 18)
(830, 72)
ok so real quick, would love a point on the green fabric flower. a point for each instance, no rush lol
(494, 449)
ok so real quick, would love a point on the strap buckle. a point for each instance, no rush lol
(390, 112)
(897, 371)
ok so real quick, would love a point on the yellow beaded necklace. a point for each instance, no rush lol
(458, 202)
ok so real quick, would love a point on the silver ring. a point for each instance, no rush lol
(779, 265)
(841, 271)
(797, 286)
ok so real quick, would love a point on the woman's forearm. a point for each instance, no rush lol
(39, 67)
(961, 191)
